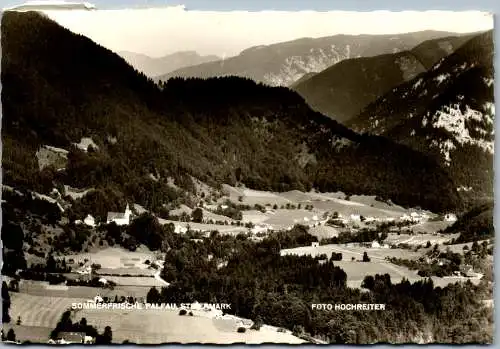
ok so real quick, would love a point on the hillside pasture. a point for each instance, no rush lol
(254, 216)
(40, 311)
(134, 281)
(33, 334)
(284, 218)
(131, 287)
(75, 193)
(459, 248)
(207, 215)
(125, 271)
(116, 258)
(323, 232)
(42, 288)
(223, 229)
(356, 270)
(252, 197)
(352, 250)
(430, 227)
(166, 326)
(419, 239)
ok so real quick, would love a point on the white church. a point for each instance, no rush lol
(120, 218)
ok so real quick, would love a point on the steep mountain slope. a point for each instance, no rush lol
(284, 63)
(342, 90)
(474, 225)
(218, 130)
(447, 112)
(163, 65)
(304, 77)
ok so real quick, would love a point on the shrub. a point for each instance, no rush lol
(241, 329)
(182, 312)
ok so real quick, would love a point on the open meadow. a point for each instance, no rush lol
(117, 258)
(162, 326)
(40, 311)
(33, 334)
(321, 202)
(357, 270)
(350, 250)
(223, 229)
(419, 239)
(42, 288)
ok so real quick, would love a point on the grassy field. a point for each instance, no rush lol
(125, 271)
(134, 281)
(361, 205)
(41, 288)
(117, 258)
(419, 239)
(223, 229)
(284, 218)
(252, 197)
(323, 231)
(39, 311)
(352, 251)
(357, 270)
(40, 314)
(430, 227)
(34, 334)
(459, 248)
(149, 326)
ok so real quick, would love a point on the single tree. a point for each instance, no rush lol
(11, 335)
(107, 336)
(197, 215)
(153, 296)
(5, 303)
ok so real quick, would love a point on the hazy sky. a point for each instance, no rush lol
(160, 31)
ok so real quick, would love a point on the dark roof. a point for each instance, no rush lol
(115, 215)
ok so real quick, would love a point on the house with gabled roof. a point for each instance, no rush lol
(70, 337)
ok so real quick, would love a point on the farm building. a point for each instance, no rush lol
(375, 244)
(260, 228)
(355, 217)
(120, 218)
(315, 244)
(179, 229)
(85, 143)
(89, 220)
(70, 338)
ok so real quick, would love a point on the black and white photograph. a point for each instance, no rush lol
(173, 175)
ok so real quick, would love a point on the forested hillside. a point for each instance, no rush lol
(232, 130)
(447, 113)
(342, 90)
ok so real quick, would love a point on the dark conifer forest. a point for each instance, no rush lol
(220, 130)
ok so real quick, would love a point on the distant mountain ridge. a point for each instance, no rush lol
(284, 63)
(344, 89)
(447, 112)
(163, 65)
(221, 130)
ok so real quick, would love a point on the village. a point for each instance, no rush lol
(334, 220)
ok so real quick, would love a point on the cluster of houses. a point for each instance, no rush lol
(412, 217)
(468, 271)
(72, 338)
